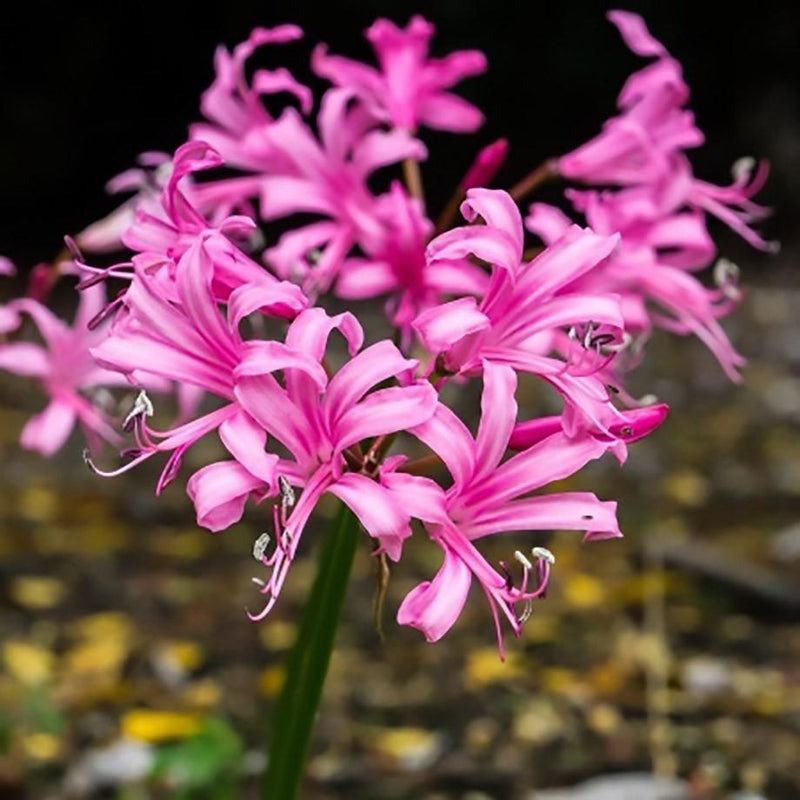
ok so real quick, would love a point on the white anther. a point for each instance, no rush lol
(544, 554)
(743, 168)
(258, 582)
(287, 493)
(142, 405)
(260, 546)
(523, 559)
(647, 400)
(725, 271)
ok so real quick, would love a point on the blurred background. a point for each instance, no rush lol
(127, 666)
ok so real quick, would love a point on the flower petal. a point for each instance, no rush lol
(381, 514)
(219, 492)
(434, 606)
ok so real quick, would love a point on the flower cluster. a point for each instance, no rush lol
(243, 319)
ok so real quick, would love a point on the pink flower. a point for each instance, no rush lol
(638, 145)
(409, 88)
(169, 226)
(328, 178)
(171, 326)
(732, 204)
(234, 105)
(66, 372)
(525, 307)
(146, 182)
(651, 270)
(396, 264)
(489, 497)
(319, 421)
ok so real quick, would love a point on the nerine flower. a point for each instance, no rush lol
(652, 269)
(170, 325)
(645, 144)
(639, 144)
(524, 307)
(234, 105)
(65, 370)
(409, 89)
(328, 177)
(321, 422)
(490, 496)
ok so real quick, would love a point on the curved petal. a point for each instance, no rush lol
(264, 357)
(434, 606)
(442, 326)
(365, 370)
(498, 416)
(381, 514)
(245, 441)
(451, 440)
(49, 430)
(219, 492)
(445, 111)
(498, 210)
(420, 497)
(580, 511)
(385, 411)
(24, 358)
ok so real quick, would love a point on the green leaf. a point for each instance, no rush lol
(296, 708)
(209, 760)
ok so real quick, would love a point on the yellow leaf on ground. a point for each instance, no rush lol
(159, 726)
(36, 592)
(41, 746)
(28, 663)
(583, 591)
(271, 680)
(484, 667)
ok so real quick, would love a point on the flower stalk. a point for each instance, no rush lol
(295, 713)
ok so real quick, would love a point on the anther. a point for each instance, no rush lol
(287, 492)
(260, 547)
(142, 406)
(258, 582)
(523, 559)
(743, 168)
(544, 554)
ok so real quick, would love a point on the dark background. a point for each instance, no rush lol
(87, 87)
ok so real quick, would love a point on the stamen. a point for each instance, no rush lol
(726, 277)
(544, 554)
(523, 559)
(260, 547)
(142, 406)
(258, 582)
(743, 168)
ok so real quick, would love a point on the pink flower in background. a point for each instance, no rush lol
(328, 177)
(66, 372)
(234, 107)
(146, 182)
(489, 497)
(409, 88)
(732, 205)
(639, 144)
(397, 265)
(317, 420)
(166, 228)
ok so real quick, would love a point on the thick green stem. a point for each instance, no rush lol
(296, 708)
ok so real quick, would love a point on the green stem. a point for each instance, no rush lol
(296, 708)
